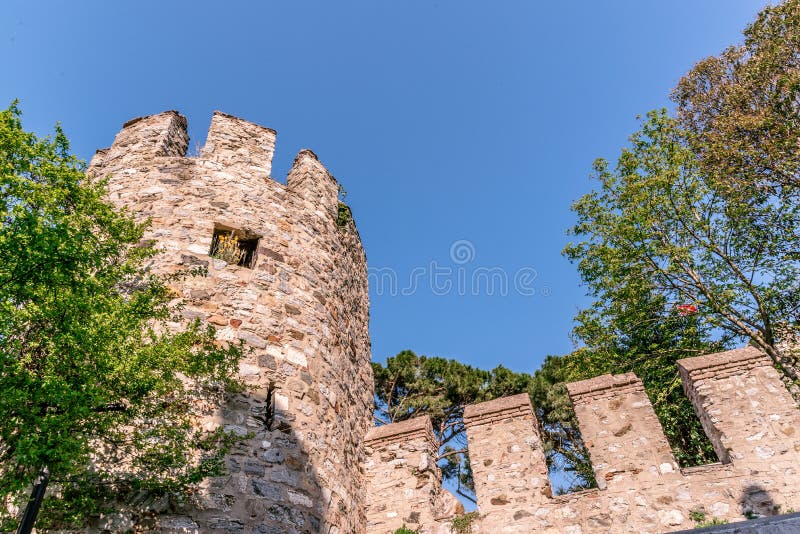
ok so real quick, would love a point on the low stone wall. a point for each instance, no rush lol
(749, 415)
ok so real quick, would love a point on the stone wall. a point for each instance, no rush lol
(747, 412)
(301, 307)
(510, 474)
(402, 477)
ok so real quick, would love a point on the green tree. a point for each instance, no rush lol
(410, 385)
(740, 113)
(646, 335)
(741, 108)
(658, 220)
(677, 269)
(633, 332)
(94, 384)
(691, 242)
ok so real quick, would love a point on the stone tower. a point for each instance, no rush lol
(297, 296)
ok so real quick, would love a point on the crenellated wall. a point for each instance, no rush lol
(741, 401)
(510, 474)
(621, 431)
(751, 419)
(301, 308)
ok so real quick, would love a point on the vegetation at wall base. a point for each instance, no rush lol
(462, 524)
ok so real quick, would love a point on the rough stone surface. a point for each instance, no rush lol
(302, 307)
(403, 481)
(506, 456)
(741, 400)
(782, 524)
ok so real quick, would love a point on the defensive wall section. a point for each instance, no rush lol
(745, 409)
(298, 300)
(309, 460)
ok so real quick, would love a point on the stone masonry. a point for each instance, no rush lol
(409, 487)
(301, 306)
(309, 461)
(742, 403)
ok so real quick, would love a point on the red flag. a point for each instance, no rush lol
(686, 309)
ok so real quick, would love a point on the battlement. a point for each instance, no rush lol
(746, 411)
(621, 431)
(496, 410)
(232, 141)
(236, 150)
(410, 489)
(603, 386)
(741, 401)
(164, 134)
(506, 455)
(416, 429)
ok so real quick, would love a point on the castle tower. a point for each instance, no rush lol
(295, 293)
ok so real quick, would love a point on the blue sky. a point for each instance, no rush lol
(462, 131)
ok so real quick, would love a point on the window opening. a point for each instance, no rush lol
(234, 246)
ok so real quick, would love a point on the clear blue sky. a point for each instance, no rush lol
(444, 121)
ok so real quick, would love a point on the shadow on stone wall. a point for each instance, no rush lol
(302, 305)
(756, 501)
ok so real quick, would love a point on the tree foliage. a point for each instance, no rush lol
(637, 334)
(689, 244)
(741, 108)
(95, 384)
(677, 269)
(410, 385)
(740, 114)
(645, 334)
(656, 218)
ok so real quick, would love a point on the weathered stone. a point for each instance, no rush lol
(254, 468)
(301, 307)
(265, 360)
(252, 339)
(218, 320)
(267, 489)
(274, 456)
(188, 259)
(178, 524)
(740, 400)
(300, 253)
